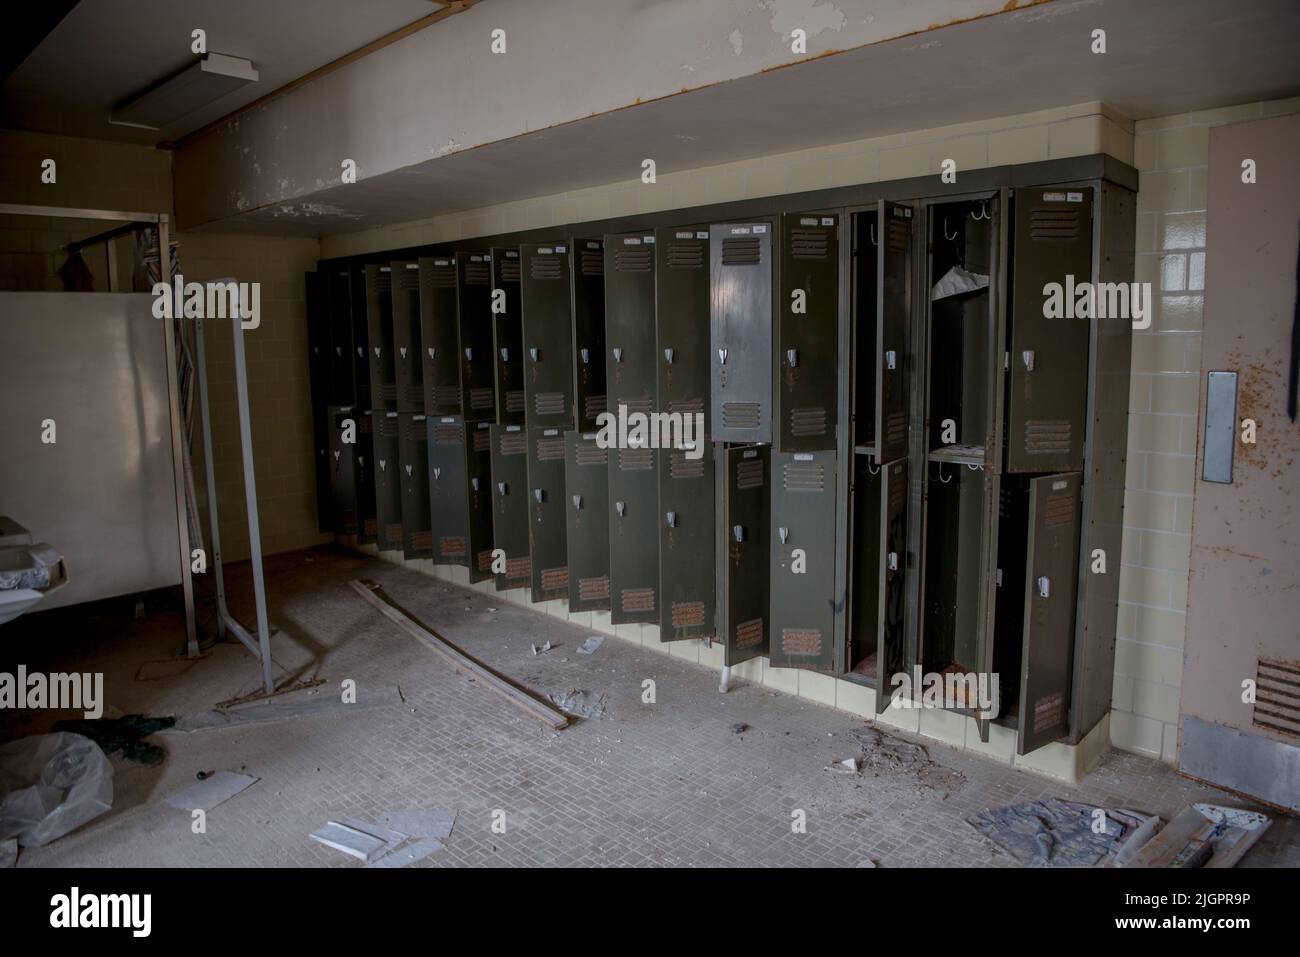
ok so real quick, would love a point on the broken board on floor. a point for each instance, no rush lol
(1204, 835)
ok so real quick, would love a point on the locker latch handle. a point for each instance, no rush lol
(722, 356)
(738, 532)
(668, 356)
(998, 578)
(891, 561)
(586, 355)
(784, 533)
(473, 483)
(671, 518)
(469, 355)
(792, 358)
(436, 472)
(1027, 357)
(891, 359)
(535, 354)
(1044, 587)
(503, 488)
(540, 495)
(618, 354)
(505, 355)
(620, 507)
(577, 503)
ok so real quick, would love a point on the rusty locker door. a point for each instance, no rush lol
(588, 263)
(807, 356)
(413, 453)
(510, 506)
(740, 331)
(439, 337)
(1051, 575)
(547, 538)
(507, 337)
(388, 484)
(448, 504)
(893, 316)
(547, 334)
(343, 469)
(367, 516)
(1047, 387)
(474, 311)
(586, 488)
(478, 495)
(802, 546)
(742, 549)
(891, 648)
(379, 335)
(409, 369)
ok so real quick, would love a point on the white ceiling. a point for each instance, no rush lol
(107, 51)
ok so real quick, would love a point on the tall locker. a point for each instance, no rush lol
(413, 455)
(379, 337)
(802, 548)
(367, 514)
(388, 484)
(507, 337)
(588, 264)
(877, 603)
(342, 377)
(547, 540)
(742, 551)
(408, 369)
(474, 294)
(630, 322)
(893, 314)
(320, 368)
(687, 576)
(459, 493)
(740, 323)
(586, 488)
(439, 336)
(547, 334)
(345, 519)
(356, 282)
(807, 354)
(510, 513)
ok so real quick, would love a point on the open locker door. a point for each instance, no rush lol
(893, 313)
(891, 651)
(1047, 394)
(802, 546)
(743, 552)
(1048, 650)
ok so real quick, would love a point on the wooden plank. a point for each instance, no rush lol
(462, 662)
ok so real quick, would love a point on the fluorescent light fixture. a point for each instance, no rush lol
(196, 86)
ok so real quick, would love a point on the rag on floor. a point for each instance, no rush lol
(123, 734)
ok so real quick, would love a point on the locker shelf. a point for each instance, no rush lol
(958, 454)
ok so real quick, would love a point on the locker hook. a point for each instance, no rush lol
(942, 480)
(871, 471)
(975, 468)
(982, 214)
(872, 229)
(945, 231)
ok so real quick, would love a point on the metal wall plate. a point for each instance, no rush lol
(1220, 427)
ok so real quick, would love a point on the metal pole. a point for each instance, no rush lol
(178, 445)
(209, 475)
(250, 500)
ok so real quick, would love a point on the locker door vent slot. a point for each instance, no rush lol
(382, 281)
(482, 399)
(439, 277)
(897, 235)
(896, 428)
(393, 535)
(415, 395)
(366, 425)
(643, 405)
(413, 428)
(742, 252)
(1059, 509)
(680, 467)
(686, 255)
(1277, 697)
(554, 579)
(591, 455)
(544, 267)
(633, 260)
(1047, 436)
(809, 244)
(387, 393)
(485, 560)
(389, 425)
(635, 459)
(595, 405)
(810, 421)
(549, 403)
(517, 568)
(749, 633)
(513, 443)
(637, 599)
(686, 406)
(406, 280)
(1047, 711)
(510, 270)
(592, 589)
(447, 435)
(515, 400)
(804, 477)
(687, 614)
(481, 441)
(422, 541)
(452, 546)
(550, 448)
(801, 641)
(476, 273)
(446, 395)
(740, 415)
(749, 474)
(1054, 223)
(593, 262)
(371, 527)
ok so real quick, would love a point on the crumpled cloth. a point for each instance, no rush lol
(957, 281)
(1054, 833)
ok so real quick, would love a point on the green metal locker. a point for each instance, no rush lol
(439, 336)
(893, 316)
(630, 366)
(379, 336)
(687, 574)
(356, 281)
(477, 375)
(408, 369)
(478, 468)
(510, 514)
(547, 333)
(878, 637)
(460, 493)
(1047, 376)
(588, 264)
(343, 469)
(507, 337)
(682, 322)
(320, 369)
(367, 515)
(807, 346)
(586, 488)
(802, 546)
(413, 455)
(742, 551)
(388, 484)
(342, 364)
(740, 331)
(547, 545)
(633, 535)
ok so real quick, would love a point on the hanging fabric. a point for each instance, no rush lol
(957, 281)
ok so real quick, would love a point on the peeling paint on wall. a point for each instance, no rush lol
(811, 16)
(737, 41)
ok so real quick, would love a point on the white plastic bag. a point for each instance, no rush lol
(50, 785)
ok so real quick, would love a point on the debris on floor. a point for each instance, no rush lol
(50, 785)
(739, 728)
(416, 851)
(420, 823)
(591, 644)
(885, 754)
(1203, 835)
(263, 711)
(580, 703)
(9, 853)
(125, 734)
(1057, 833)
(847, 766)
(350, 840)
(210, 790)
(539, 649)
(384, 844)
